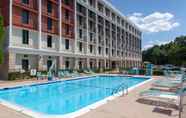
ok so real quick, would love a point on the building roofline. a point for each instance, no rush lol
(121, 14)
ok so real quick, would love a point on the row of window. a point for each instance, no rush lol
(109, 14)
(25, 40)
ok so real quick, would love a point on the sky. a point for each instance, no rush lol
(160, 20)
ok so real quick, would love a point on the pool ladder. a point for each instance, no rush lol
(121, 88)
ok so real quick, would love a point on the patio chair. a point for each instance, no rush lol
(160, 98)
(61, 74)
(86, 71)
(75, 74)
(40, 76)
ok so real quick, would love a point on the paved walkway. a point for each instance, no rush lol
(122, 107)
(127, 107)
(184, 108)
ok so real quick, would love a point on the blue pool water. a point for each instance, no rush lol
(64, 97)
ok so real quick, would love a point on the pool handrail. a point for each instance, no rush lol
(119, 88)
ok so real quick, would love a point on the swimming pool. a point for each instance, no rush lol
(63, 97)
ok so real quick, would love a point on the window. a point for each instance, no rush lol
(49, 64)
(67, 30)
(99, 50)
(112, 52)
(25, 64)
(91, 48)
(91, 37)
(80, 34)
(25, 17)
(80, 65)
(49, 6)
(25, 1)
(106, 51)
(80, 47)
(91, 64)
(67, 2)
(66, 44)
(49, 24)
(49, 41)
(67, 15)
(67, 64)
(25, 36)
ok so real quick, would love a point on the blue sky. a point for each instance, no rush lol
(160, 20)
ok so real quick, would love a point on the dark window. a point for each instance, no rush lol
(80, 47)
(25, 17)
(66, 44)
(67, 16)
(91, 65)
(91, 48)
(67, 2)
(25, 1)
(99, 50)
(67, 64)
(106, 51)
(25, 36)
(80, 33)
(49, 64)
(80, 65)
(49, 41)
(49, 26)
(49, 6)
(25, 64)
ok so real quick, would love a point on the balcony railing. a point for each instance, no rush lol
(31, 7)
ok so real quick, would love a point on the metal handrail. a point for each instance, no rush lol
(121, 87)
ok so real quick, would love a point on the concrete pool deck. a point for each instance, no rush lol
(121, 107)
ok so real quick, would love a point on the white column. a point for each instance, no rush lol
(40, 24)
(75, 28)
(10, 23)
(88, 62)
(87, 43)
(76, 63)
(60, 25)
(61, 64)
(40, 63)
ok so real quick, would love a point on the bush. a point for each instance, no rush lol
(142, 71)
(18, 76)
(158, 72)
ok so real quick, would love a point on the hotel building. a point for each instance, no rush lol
(73, 33)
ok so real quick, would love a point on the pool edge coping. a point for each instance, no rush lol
(77, 113)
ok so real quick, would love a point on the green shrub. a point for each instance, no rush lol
(142, 71)
(18, 76)
(158, 72)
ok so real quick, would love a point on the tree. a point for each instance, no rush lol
(1, 40)
(171, 53)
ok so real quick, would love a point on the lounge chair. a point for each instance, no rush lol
(61, 74)
(40, 76)
(75, 74)
(167, 98)
(91, 72)
(86, 71)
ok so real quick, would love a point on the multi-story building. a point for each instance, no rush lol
(73, 33)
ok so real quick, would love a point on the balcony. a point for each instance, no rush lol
(69, 5)
(32, 6)
(17, 19)
(54, 29)
(54, 10)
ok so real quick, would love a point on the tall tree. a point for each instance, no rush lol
(171, 53)
(1, 39)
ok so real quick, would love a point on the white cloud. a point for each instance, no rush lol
(147, 46)
(151, 43)
(155, 22)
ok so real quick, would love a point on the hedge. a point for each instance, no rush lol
(18, 76)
